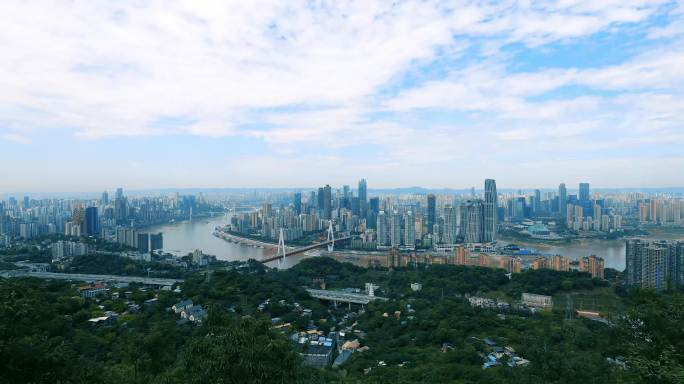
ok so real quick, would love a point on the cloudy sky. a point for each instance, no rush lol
(147, 94)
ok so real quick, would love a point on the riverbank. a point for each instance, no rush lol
(246, 241)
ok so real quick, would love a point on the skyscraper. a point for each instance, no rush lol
(78, 216)
(327, 202)
(143, 242)
(395, 229)
(321, 199)
(375, 204)
(472, 225)
(450, 225)
(382, 229)
(91, 222)
(431, 212)
(584, 192)
(297, 203)
(346, 197)
(156, 241)
(490, 210)
(562, 200)
(409, 229)
(584, 200)
(363, 197)
(105, 198)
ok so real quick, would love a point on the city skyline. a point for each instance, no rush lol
(292, 94)
(675, 191)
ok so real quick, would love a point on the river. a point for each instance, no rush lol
(187, 236)
(612, 251)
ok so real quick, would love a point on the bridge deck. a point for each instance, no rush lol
(303, 249)
(344, 297)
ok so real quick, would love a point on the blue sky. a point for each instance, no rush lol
(96, 95)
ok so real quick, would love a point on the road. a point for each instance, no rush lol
(94, 278)
(343, 297)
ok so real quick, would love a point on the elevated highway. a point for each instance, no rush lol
(343, 297)
(91, 278)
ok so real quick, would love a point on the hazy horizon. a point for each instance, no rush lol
(353, 186)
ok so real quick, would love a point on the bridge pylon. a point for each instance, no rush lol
(331, 236)
(281, 248)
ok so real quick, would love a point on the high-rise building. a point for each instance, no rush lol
(559, 263)
(363, 197)
(461, 255)
(143, 242)
(537, 202)
(644, 212)
(297, 203)
(395, 229)
(633, 261)
(78, 217)
(409, 230)
(375, 205)
(120, 208)
(654, 271)
(105, 198)
(513, 264)
(156, 241)
(266, 210)
(91, 222)
(654, 265)
(592, 264)
(540, 262)
(584, 199)
(127, 236)
(562, 200)
(450, 232)
(490, 211)
(597, 214)
(584, 192)
(472, 225)
(346, 192)
(327, 202)
(320, 197)
(382, 229)
(431, 212)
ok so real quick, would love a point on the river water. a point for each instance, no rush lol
(612, 251)
(184, 237)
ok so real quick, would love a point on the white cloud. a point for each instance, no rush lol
(106, 69)
(306, 78)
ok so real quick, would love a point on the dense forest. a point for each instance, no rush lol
(45, 335)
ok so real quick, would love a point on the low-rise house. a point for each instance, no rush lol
(195, 314)
(150, 302)
(538, 301)
(351, 344)
(108, 318)
(92, 290)
(318, 353)
(182, 305)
